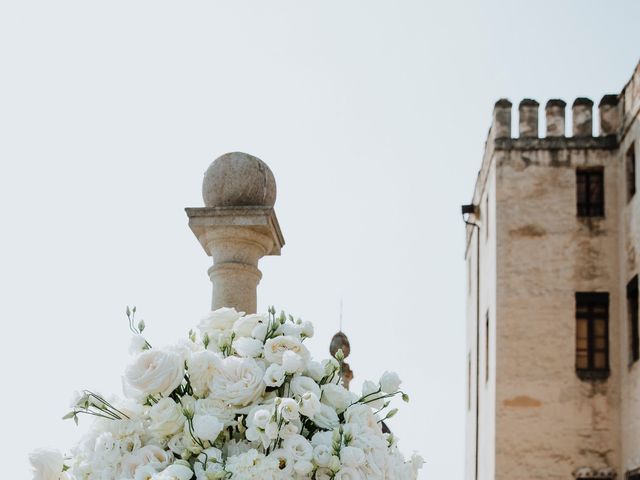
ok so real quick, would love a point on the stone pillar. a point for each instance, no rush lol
(528, 123)
(610, 117)
(582, 117)
(502, 119)
(555, 117)
(237, 227)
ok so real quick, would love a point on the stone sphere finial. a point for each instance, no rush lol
(238, 179)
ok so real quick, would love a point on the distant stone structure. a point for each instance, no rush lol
(553, 255)
(237, 227)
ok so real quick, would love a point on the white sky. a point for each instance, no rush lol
(372, 116)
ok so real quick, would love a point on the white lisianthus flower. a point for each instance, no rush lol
(207, 427)
(274, 376)
(285, 462)
(153, 372)
(337, 396)
(259, 331)
(274, 348)
(239, 382)
(307, 329)
(390, 382)
(322, 455)
(177, 471)
(324, 474)
(289, 409)
(326, 417)
(290, 329)
(218, 321)
(298, 447)
(352, 456)
(243, 327)
(137, 344)
(348, 473)
(315, 370)
(47, 464)
(301, 385)
(149, 455)
(292, 362)
(303, 467)
(202, 367)
(166, 418)
(248, 347)
(309, 404)
(370, 390)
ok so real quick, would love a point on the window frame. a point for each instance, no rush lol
(592, 302)
(586, 206)
(633, 322)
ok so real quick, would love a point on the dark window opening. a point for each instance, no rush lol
(486, 347)
(592, 335)
(590, 192)
(633, 475)
(631, 172)
(632, 315)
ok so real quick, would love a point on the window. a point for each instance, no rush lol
(631, 172)
(632, 315)
(486, 347)
(469, 381)
(590, 192)
(633, 475)
(592, 335)
(486, 214)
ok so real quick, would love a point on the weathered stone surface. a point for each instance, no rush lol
(237, 227)
(536, 417)
(238, 179)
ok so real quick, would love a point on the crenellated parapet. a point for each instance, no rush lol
(610, 118)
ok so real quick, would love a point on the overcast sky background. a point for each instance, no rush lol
(372, 116)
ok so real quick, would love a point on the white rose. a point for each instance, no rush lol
(47, 464)
(324, 474)
(309, 404)
(202, 367)
(218, 321)
(274, 348)
(274, 376)
(292, 362)
(289, 409)
(239, 383)
(153, 372)
(243, 327)
(337, 396)
(352, 456)
(207, 427)
(390, 382)
(301, 385)
(166, 418)
(248, 347)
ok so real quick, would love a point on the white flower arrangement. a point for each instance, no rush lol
(241, 399)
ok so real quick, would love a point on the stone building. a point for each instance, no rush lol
(553, 256)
